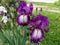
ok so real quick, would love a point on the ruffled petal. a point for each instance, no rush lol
(36, 35)
(39, 22)
(22, 20)
(21, 5)
(27, 10)
(31, 8)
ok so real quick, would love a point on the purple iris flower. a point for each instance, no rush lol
(25, 12)
(24, 8)
(40, 22)
(21, 5)
(37, 25)
(22, 19)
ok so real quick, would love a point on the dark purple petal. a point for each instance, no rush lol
(39, 22)
(36, 35)
(31, 6)
(24, 8)
(21, 5)
(27, 10)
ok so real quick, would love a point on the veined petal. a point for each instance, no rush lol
(24, 8)
(36, 35)
(27, 10)
(22, 19)
(39, 22)
(21, 5)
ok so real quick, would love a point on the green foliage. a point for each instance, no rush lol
(18, 35)
(57, 3)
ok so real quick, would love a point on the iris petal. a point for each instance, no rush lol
(36, 35)
(25, 18)
(40, 22)
(21, 5)
(24, 8)
(22, 19)
(31, 6)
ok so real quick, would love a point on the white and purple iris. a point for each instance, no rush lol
(24, 8)
(36, 35)
(2, 10)
(20, 7)
(38, 24)
(24, 13)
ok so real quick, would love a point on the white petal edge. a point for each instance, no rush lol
(21, 19)
(37, 33)
(25, 18)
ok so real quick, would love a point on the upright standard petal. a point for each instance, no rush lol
(21, 5)
(26, 10)
(36, 35)
(31, 6)
(39, 22)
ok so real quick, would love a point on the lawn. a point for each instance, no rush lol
(16, 36)
(47, 4)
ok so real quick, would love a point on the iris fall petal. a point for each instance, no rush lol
(36, 35)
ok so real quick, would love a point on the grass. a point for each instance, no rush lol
(46, 4)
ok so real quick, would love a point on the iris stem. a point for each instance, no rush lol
(35, 43)
(24, 38)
